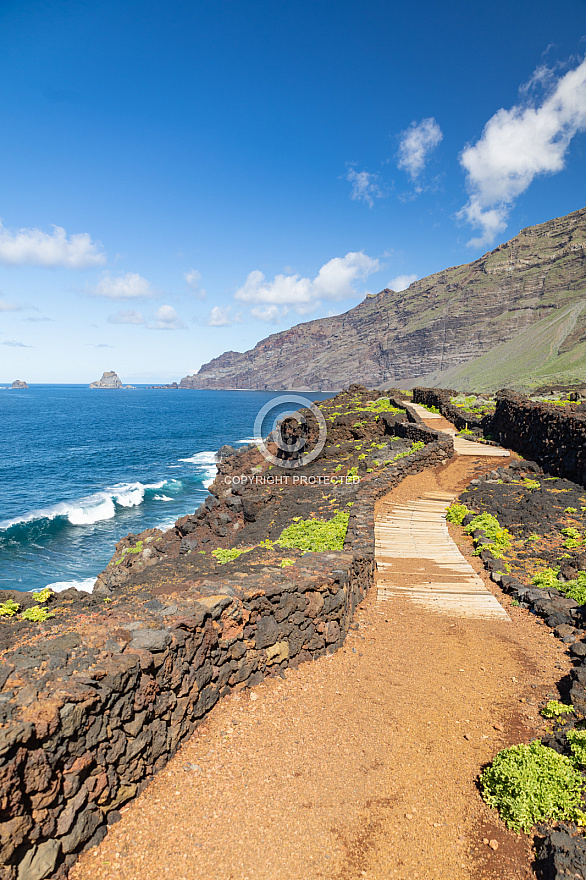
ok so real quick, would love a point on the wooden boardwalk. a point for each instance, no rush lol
(416, 558)
(461, 446)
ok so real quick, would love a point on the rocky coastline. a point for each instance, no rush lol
(95, 699)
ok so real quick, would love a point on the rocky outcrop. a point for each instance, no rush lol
(18, 383)
(108, 380)
(440, 322)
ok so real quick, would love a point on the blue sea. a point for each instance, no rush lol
(81, 468)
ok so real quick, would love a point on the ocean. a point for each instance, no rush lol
(81, 468)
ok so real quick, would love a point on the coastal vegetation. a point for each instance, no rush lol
(316, 535)
(533, 783)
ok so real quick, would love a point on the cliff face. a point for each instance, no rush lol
(441, 321)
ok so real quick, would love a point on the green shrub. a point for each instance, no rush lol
(8, 608)
(547, 579)
(415, 447)
(228, 555)
(456, 513)
(531, 484)
(500, 538)
(37, 614)
(573, 538)
(577, 741)
(555, 709)
(130, 551)
(574, 589)
(383, 404)
(43, 595)
(316, 534)
(532, 783)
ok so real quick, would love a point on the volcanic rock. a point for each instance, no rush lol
(108, 380)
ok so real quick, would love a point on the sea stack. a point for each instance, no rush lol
(18, 383)
(108, 380)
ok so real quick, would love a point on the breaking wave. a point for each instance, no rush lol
(206, 461)
(86, 585)
(96, 507)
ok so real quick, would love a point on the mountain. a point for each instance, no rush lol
(440, 323)
(550, 352)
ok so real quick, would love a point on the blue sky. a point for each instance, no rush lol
(178, 179)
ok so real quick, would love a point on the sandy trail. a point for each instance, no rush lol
(360, 765)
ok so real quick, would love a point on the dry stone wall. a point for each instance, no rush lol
(441, 398)
(85, 727)
(550, 435)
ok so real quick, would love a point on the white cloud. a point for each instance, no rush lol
(166, 318)
(519, 144)
(15, 344)
(221, 316)
(128, 286)
(32, 247)
(335, 281)
(128, 316)
(9, 307)
(402, 282)
(416, 143)
(192, 279)
(270, 314)
(364, 186)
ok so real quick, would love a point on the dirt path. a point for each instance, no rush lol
(361, 765)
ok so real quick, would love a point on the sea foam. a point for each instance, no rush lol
(86, 585)
(97, 507)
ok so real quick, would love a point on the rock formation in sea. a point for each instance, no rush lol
(108, 380)
(18, 383)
